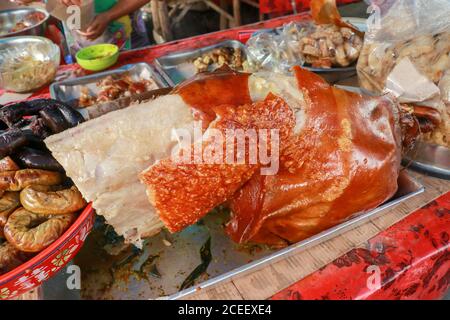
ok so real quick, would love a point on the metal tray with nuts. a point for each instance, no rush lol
(180, 66)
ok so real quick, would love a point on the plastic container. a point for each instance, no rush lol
(98, 57)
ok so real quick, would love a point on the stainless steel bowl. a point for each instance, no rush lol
(34, 27)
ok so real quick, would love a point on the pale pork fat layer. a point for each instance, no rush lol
(104, 157)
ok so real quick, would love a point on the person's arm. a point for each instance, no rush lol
(24, 2)
(124, 7)
(71, 2)
(101, 21)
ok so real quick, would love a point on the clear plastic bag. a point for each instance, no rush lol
(272, 51)
(406, 53)
(321, 46)
(417, 30)
(327, 42)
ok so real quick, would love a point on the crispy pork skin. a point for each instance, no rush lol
(182, 193)
(341, 157)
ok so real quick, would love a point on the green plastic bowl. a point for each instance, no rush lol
(98, 57)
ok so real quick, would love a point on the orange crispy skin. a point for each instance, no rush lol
(345, 160)
(184, 193)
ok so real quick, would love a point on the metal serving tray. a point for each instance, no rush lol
(179, 67)
(69, 90)
(178, 255)
(429, 158)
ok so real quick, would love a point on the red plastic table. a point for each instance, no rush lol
(285, 6)
(412, 256)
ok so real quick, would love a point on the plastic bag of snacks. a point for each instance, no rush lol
(328, 45)
(406, 53)
(325, 42)
(274, 50)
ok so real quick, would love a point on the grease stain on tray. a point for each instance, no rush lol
(113, 270)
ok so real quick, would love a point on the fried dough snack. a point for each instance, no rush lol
(8, 203)
(10, 257)
(18, 180)
(33, 232)
(44, 200)
(184, 193)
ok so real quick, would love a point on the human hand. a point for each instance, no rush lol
(97, 27)
(69, 3)
(22, 2)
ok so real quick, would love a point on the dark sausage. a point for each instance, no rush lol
(37, 159)
(72, 116)
(54, 119)
(10, 141)
(12, 113)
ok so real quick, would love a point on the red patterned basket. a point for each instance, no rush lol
(49, 261)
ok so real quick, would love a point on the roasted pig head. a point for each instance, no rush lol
(339, 154)
(345, 160)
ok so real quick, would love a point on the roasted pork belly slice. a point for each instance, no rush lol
(184, 188)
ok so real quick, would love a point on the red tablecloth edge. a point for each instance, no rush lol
(412, 256)
(284, 6)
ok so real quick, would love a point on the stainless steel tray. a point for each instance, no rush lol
(180, 255)
(69, 90)
(333, 75)
(178, 66)
(429, 158)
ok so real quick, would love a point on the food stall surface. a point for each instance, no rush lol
(372, 244)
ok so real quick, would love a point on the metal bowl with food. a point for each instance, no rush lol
(27, 63)
(23, 21)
